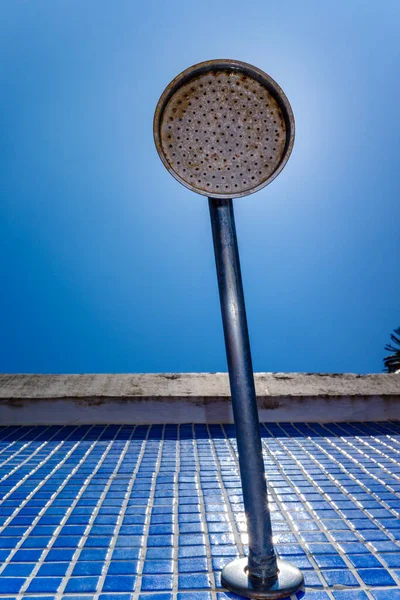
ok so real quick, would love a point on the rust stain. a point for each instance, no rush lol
(268, 403)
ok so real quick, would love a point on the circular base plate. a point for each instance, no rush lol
(236, 579)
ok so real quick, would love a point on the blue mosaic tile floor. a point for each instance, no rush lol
(153, 513)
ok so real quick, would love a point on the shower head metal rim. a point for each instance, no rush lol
(224, 128)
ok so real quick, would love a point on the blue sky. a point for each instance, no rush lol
(107, 261)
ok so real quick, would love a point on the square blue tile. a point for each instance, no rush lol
(78, 585)
(100, 530)
(159, 540)
(131, 541)
(191, 551)
(154, 583)
(341, 577)
(126, 554)
(74, 530)
(227, 550)
(219, 562)
(313, 595)
(316, 549)
(99, 542)
(159, 553)
(376, 577)
(166, 529)
(59, 555)
(353, 548)
(26, 556)
(123, 567)
(119, 583)
(212, 528)
(36, 542)
(194, 596)
(11, 585)
(334, 524)
(192, 565)
(87, 568)
(314, 536)
(301, 562)
(217, 580)
(392, 560)
(192, 528)
(154, 567)
(229, 596)
(374, 535)
(155, 597)
(350, 595)
(92, 555)
(385, 546)
(191, 540)
(9, 542)
(17, 570)
(330, 561)
(344, 536)
(44, 584)
(221, 538)
(386, 594)
(312, 580)
(116, 596)
(364, 561)
(194, 581)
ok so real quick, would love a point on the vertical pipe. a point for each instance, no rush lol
(262, 560)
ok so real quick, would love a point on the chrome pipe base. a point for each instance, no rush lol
(235, 578)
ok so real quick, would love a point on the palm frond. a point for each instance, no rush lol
(392, 362)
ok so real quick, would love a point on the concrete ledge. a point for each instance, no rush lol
(194, 397)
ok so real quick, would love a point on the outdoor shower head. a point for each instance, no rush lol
(224, 129)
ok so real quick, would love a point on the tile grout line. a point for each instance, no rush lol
(377, 441)
(25, 430)
(94, 514)
(23, 447)
(45, 444)
(316, 519)
(388, 426)
(352, 476)
(7, 446)
(121, 515)
(281, 505)
(344, 440)
(236, 532)
(344, 518)
(379, 526)
(49, 546)
(362, 468)
(148, 514)
(37, 488)
(175, 508)
(210, 570)
(45, 551)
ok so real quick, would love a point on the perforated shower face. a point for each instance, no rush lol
(224, 129)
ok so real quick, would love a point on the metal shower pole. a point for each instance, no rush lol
(261, 575)
(262, 559)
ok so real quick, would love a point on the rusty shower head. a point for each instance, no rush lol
(223, 128)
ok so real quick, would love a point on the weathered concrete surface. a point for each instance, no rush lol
(195, 397)
(163, 385)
